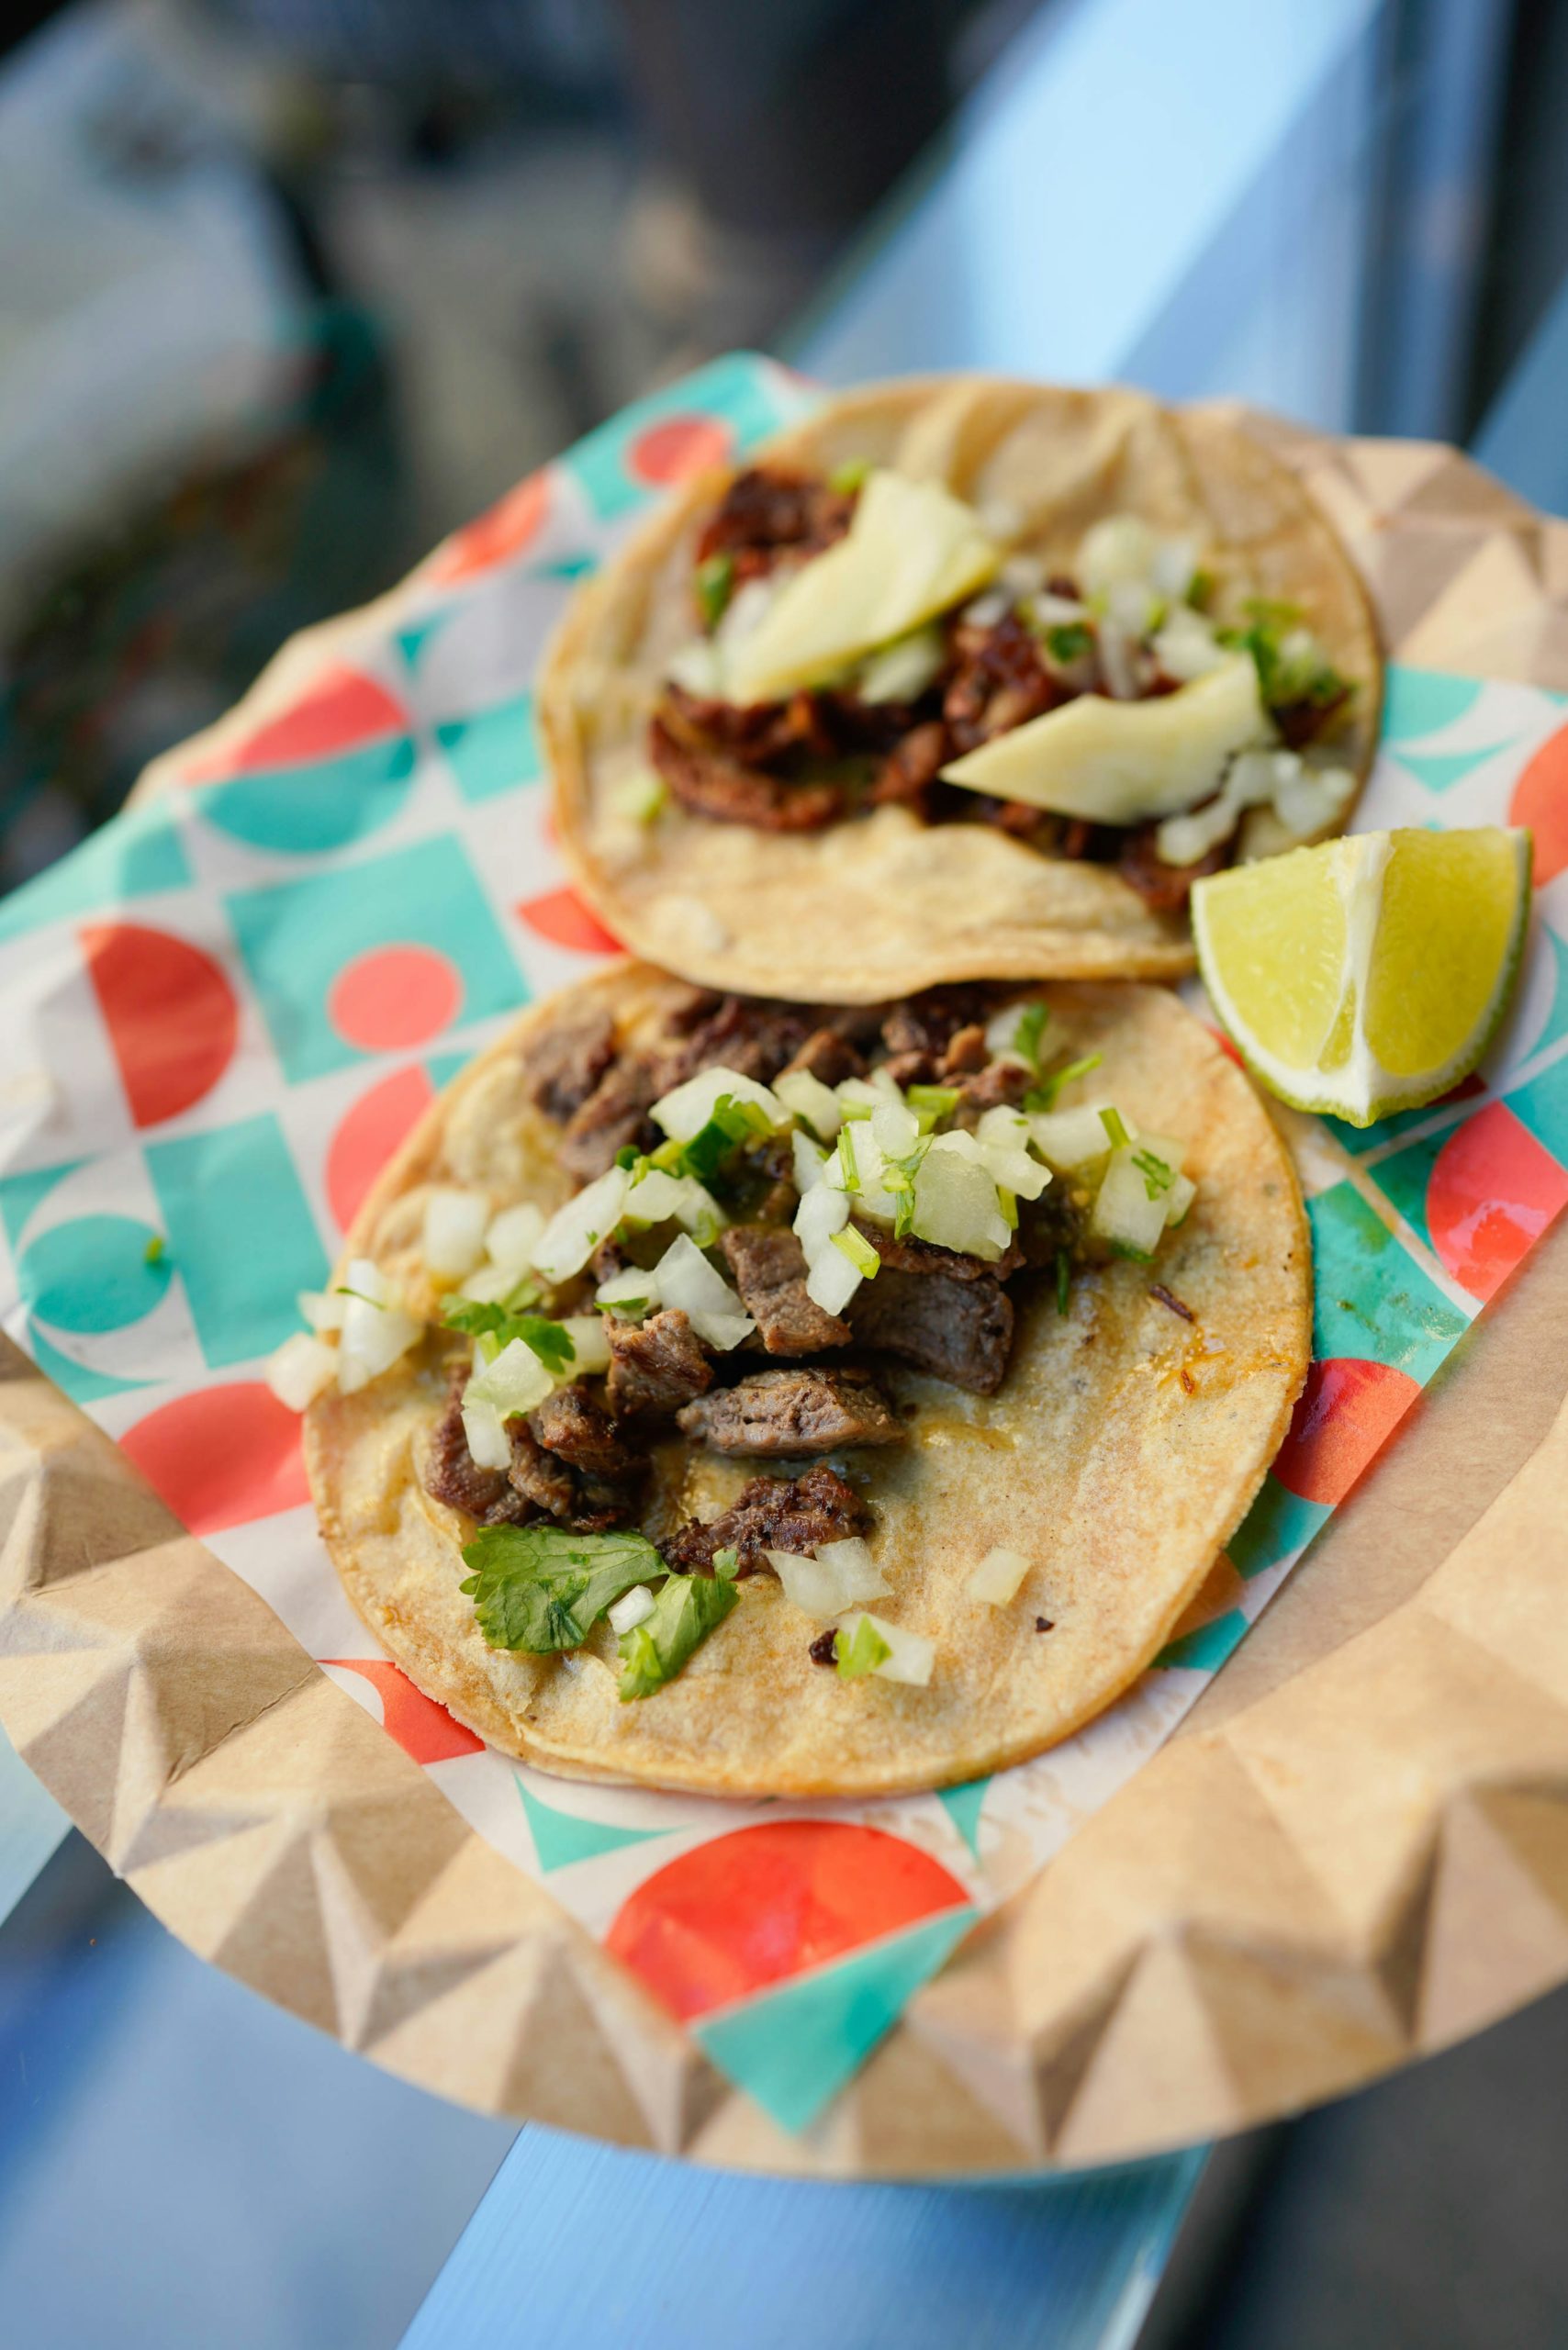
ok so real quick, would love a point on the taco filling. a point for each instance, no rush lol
(866, 640)
(779, 1213)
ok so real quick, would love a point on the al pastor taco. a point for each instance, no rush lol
(754, 1397)
(960, 679)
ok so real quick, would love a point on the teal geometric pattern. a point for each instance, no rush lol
(240, 1232)
(304, 810)
(1205, 1649)
(734, 391)
(94, 1273)
(1371, 1299)
(139, 855)
(792, 2049)
(295, 937)
(963, 1807)
(560, 1837)
(493, 750)
(1278, 1523)
(1420, 701)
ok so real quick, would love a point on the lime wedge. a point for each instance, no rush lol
(1370, 974)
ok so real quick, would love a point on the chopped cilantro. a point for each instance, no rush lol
(1008, 1203)
(1292, 667)
(932, 1103)
(686, 1611)
(1200, 590)
(862, 1653)
(478, 1318)
(1112, 1121)
(726, 1564)
(1026, 1035)
(1157, 1177)
(153, 1252)
(1069, 642)
(342, 1290)
(730, 1123)
(628, 1309)
(859, 1251)
(542, 1588)
(1064, 1280)
(1133, 1256)
(847, 1159)
(628, 1155)
(847, 478)
(1044, 1095)
(715, 584)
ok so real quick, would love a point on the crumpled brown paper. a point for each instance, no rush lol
(1354, 1849)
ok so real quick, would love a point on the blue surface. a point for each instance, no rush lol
(687, 2258)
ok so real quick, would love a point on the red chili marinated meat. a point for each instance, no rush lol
(999, 683)
(912, 767)
(767, 512)
(1165, 888)
(772, 1514)
(769, 1268)
(752, 732)
(800, 1409)
(713, 784)
(655, 1367)
(1301, 723)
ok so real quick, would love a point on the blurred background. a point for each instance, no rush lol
(289, 288)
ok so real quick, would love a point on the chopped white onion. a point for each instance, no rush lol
(590, 1347)
(377, 1330)
(322, 1309)
(839, 1575)
(1119, 660)
(513, 1236)
(633, 1608)
(832, 1279)
(1022, 575)
(1121, 547)
(1172, 567)
(698, 668)
(633, 1288)
(1178, 1200)
(686, 1279)
(911, 1656)
(499, 1392)
(859, 1089)
(1001, 1032)
(902, 670)
(453, 1239)
(575, 1231)
(987, 609)
(811, 1160)
(956, 1205)
(1186, 646)
(484, 1433)
(997, 1578)
(639, 797)
(809, 1099)
(683, 1113)
(653, 1198)
(1004, 1137)
(824, 1210)
(871, 1197)
(748, 607)
(1123, 1213)
(1058, 611)
(1073, 1139)
(894, 1129)
(302, 1369)
(1312, 798)
(490, 1284)
(1132, 607)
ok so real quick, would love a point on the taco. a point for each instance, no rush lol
(960, 679)
(762, 1398)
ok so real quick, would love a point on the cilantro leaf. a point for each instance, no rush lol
(1026, 1035)
(1157, 1177)
(1293, 668)
(479, 1317)
(847, 478)
(1064, 1280)
(715, 584)
(730, 1123)
(861, 1653)
(726, 1564)
(542, 1588)
(1069, 642)
(686, 1611)
(1044, 1095)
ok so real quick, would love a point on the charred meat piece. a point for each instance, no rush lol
(752, 732)
(575, 1425)
(957, 1330)
(928, 1023)
(966, 1052)
(912, 1255)
(1165, 888)
(1001, 1081)
(912, 764)
(999, 683)
(712, 783)
(772, 1514)
(748, 1033)
(766, 513)
(769, 1267)
(656, 1367)
(614, 1114)
(827, 1055)
(566, 1059)
(589, 1503)
(451, 1474)
(803, 1409)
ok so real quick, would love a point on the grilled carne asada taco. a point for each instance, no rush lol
(759, 1398)
(960, 679)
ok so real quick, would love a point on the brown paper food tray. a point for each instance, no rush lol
(1355, 1850)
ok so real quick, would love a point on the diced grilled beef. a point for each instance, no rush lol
(712, 783)
(772, 1514)
(769, 1267)
(1000, 1081)
(912, 764)
(767, 512)
(573, 1496)
(753, 733)
(966, 1052)
(829, 1056)
(788, 1412)
(928, 1023)
(615, 1113)
(748, 1033)
(655, 1367)
(451, 1474)
(958, 1330)
(1164, 889)
(574, 1425)
(568, 1058)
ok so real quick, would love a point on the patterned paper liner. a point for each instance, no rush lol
(225, 1011)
